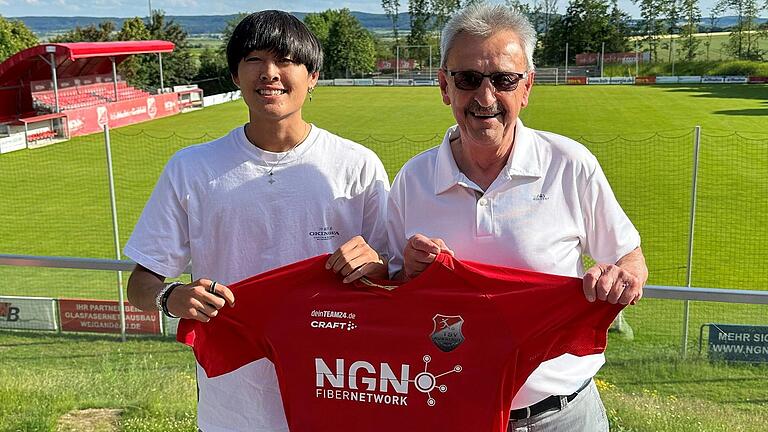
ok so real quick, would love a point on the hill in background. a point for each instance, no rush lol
(213, 24)
(193, 24)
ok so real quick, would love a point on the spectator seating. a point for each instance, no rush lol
(37, 136)
(85, 96)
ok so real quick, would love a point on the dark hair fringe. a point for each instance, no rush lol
(277, 32)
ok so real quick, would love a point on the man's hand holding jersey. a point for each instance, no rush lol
(355, 259)
(419, 253)
(199, 300)
(622, 282)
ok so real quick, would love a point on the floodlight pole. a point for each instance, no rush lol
(691, 231)
(115, 232)
(55, 81)
(602, 59)
(672, 52)
(397, 62)
(160, 59)
(430, 62)
(637, 60)
(114, 76)
(566, 63)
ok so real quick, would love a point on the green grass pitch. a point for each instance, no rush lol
(54, 202)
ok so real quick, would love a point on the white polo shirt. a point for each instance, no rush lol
(550, 205)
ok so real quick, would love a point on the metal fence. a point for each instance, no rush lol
(698, 198)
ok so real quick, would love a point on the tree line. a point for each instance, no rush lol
(352, 51)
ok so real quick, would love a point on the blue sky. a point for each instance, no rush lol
(129, 8)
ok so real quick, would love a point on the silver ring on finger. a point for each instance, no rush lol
(212, 289)
(625, 284)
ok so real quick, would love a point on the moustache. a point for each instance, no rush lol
(479, 109)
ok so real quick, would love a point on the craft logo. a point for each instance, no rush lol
(102, 114)
(324, 233)
(151, 107)
(540, 197)
(363, 382)
(8, 312)
(333, 320)
(446, 332)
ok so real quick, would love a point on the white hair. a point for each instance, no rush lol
(483, 20)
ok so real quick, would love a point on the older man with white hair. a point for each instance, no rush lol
(498, 192)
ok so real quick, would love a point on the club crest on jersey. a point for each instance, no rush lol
(446, 332)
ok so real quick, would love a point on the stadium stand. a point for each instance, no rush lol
(52, 92)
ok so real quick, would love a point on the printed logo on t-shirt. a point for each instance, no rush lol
(324, 233)
(446, 331)
(540, 197)
(361, 381)
(333, 320)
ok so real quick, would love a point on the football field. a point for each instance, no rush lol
(55, 202)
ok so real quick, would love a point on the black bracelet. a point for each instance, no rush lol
(164, 299)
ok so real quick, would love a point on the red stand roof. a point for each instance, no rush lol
(93, 59)
(72, 60)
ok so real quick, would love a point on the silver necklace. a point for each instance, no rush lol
(272, 167)
(271, 173)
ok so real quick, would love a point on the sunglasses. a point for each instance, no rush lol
(501, 81)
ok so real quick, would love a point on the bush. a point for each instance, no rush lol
(731, 67)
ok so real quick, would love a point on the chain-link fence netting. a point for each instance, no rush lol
(56, 202)
(651, 176)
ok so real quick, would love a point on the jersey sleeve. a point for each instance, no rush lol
(160, 239)
(546, 315)
(241, 334)
(232, 339)
(609, 233)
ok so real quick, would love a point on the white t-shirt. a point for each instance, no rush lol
(549, 205)
(214, 206)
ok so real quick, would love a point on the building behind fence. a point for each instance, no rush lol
(698, 198)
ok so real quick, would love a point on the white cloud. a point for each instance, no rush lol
(32, 2)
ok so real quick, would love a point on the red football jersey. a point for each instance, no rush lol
(446, 351)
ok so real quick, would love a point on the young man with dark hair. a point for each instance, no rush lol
(274, 191)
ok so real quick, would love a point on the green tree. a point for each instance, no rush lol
(672, 10)
(714, 12)
(131, 69)
(213, 76)
(14, 37)
(226, 33)
(179, 67)
(619, 29)
(103, 32)
(651, 25)
(420, 16)
(392, 10)
(523, 8)
(442, 10)
(586, 25)
(689, 44)
(547, 10)
(744, 40)
(320, 24)
(349, 48)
